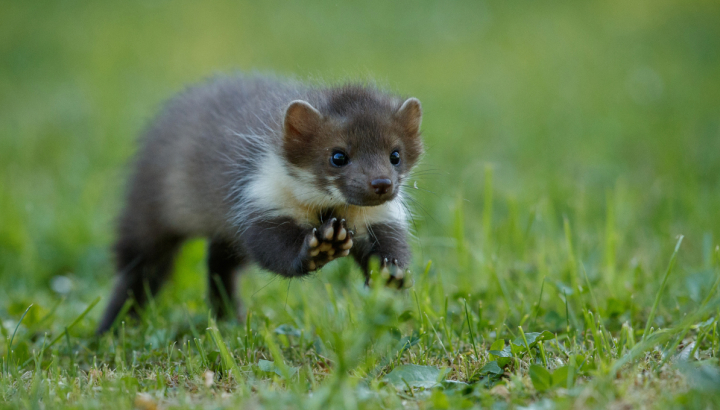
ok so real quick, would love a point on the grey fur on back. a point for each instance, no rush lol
(201, 144)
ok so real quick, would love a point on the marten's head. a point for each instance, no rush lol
(357, 146)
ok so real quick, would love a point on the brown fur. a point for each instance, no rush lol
(368, 127)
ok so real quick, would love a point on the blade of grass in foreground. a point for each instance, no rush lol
(472, 336)
(9, 348)
(660, 337)
(277, 356)
(67, 328)
(671, 265)
(228, 361)
(687, 328)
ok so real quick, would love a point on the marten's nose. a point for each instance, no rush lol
(381, 185)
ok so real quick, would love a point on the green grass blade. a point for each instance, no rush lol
(70, 326)
(472, 336)
(9, 348)
(671, 265)
(228, 360)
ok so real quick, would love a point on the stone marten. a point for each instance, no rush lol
(274, 172)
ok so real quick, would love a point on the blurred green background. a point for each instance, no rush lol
(604, 114)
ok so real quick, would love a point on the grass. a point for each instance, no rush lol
(566, 251)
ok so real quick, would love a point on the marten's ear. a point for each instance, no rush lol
(302, 120)
(409, 115)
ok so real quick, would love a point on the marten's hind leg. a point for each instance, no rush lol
(224, 262)
(142, 268)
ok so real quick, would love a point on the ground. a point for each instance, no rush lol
(566, 223)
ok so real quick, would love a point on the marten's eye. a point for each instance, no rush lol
(395, 158)
(339, 159)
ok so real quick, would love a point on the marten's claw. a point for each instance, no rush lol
(331, 241)
(394, 275)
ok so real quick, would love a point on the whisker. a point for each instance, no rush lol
(415, 237)
(266, 285)
(287, 294)
(407, 209)
(369, 229)
(410, 187)
(422, 208)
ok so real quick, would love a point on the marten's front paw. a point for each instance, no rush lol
(394, 275)
(331, 241)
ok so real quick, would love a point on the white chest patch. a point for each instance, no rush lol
(278, 194)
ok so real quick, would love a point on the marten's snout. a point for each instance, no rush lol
(381, 186)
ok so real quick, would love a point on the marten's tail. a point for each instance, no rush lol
(144, 254)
